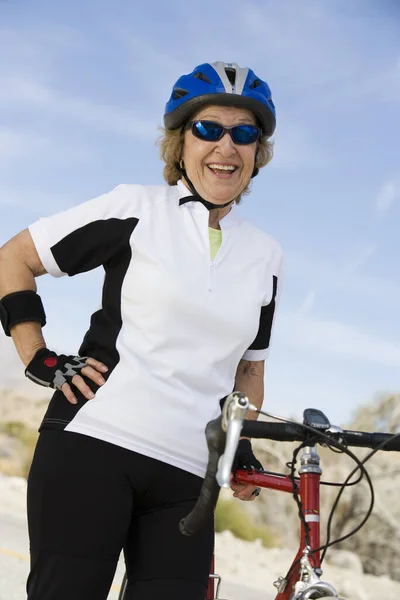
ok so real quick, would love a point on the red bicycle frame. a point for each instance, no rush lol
(307, 486)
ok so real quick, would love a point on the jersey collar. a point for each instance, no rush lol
(185, 200)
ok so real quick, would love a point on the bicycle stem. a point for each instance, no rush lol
(310, 474)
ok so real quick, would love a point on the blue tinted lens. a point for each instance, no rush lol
(245, 134)
(211, 132)
(206, 130)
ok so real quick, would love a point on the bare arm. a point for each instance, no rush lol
(19, 265)
(250, 381)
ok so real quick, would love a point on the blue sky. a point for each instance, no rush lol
(82, 92)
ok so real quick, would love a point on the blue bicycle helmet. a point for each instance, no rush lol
(221, 83)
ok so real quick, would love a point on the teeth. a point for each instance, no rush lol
(222, 167)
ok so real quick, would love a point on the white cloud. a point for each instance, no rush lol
(310, 31)
(36, 47)
(294, 383)
(14, 144)
(360, 257)
(34, 203)
(15, 89)
(390, 83)
(388, 194)
(114, 119)
(156, 66)
(383, 84)
(295, 148)
(308, 302)
(18, 149)
(333, 338)
(321, 51)
(338, 278)
(324, 276)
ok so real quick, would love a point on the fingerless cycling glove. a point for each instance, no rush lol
(244, 458)
(53, 370)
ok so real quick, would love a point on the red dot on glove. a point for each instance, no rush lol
(50, 362)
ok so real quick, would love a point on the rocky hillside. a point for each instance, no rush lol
(378, 542)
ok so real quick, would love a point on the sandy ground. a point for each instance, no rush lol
(250, 564)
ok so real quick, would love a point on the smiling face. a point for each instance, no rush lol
(219, 170)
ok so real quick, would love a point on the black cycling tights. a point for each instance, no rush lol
(87, 500)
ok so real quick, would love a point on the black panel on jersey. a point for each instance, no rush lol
(92, 245)
(105, 324)
(110, 242)
(266, 318)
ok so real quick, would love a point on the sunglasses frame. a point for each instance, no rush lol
(192, 126)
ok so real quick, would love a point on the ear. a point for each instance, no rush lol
(180, 165)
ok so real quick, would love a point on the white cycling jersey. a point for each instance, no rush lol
(173, 324)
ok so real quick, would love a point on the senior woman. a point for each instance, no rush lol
(186, 314)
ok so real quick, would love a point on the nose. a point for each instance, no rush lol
(226, 145)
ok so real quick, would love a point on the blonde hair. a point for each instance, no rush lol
(171, 147)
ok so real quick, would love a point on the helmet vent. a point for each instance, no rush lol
(231, 74)
(179, 93)
(255, 84)
(201, 76)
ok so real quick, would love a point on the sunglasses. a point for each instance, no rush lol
(212, 132)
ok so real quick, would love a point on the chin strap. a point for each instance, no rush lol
(196, 197)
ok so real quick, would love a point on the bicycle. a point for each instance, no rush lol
(303, 579)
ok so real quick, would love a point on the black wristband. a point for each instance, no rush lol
(19, 307)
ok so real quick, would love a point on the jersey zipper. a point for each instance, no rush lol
(213, 263)
(211, 276)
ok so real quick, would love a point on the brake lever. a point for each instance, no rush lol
(233, 413)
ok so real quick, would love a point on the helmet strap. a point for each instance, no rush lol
(209, 205)
(256, 170)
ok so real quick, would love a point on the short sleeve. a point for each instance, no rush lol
(88, 235)
(259, 349)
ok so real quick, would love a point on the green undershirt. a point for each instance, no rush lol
(215, 236)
